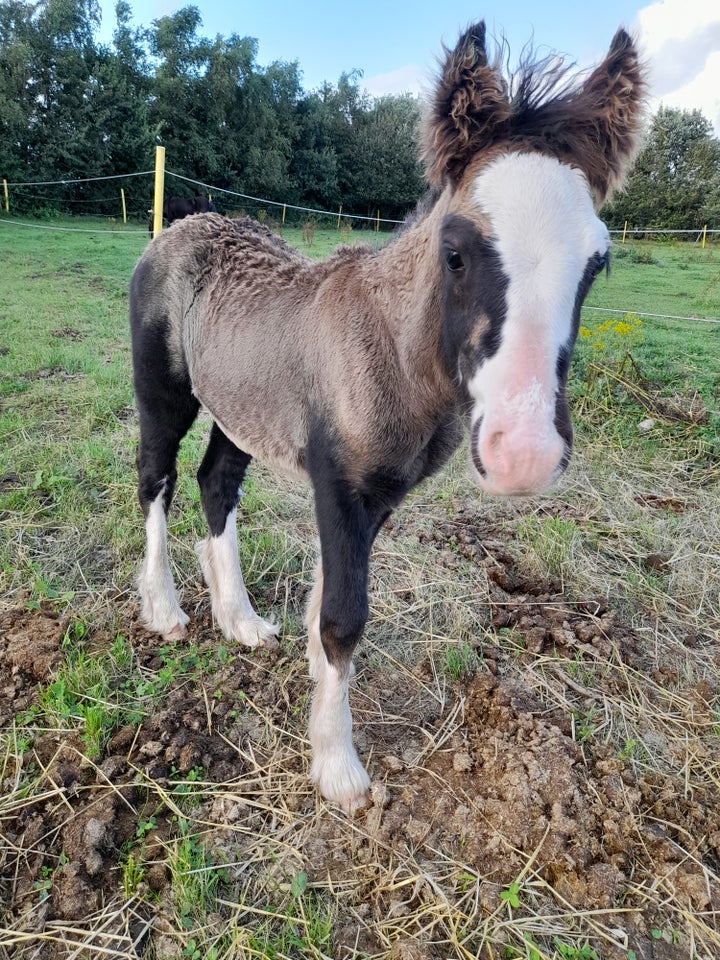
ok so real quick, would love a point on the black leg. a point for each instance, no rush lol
(167, 408)
(348, 520)
(165, 401)
(161, 431)
(220, 476)
(346, 533)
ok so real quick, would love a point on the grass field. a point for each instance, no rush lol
(537, 695)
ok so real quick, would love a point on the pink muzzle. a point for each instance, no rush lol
(517, 458)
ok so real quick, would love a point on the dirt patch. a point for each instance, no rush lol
(126, 413)
(30, 652)
(479, 784)
(68, 333)
(57, 372)
(529, 790)
(10, 481)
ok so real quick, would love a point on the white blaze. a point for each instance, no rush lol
(544, 229)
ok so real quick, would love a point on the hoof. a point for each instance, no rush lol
(177, 633)
(250, 632)
(169, 623)
(160, 611)
(344, 782)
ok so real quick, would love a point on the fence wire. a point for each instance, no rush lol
(265, 202)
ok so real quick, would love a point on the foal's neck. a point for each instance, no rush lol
(409, 276)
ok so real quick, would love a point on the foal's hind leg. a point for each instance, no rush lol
(220, 476)
(163, 423)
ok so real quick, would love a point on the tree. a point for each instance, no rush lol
(61, 140)
(346, 103)
(389, 177)
(266, 128)
(222, 118)
(17, 83)
(176, 110)
(314, 162)
(229, 64)
(675, 174)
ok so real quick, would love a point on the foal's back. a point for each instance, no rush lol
(270, 339)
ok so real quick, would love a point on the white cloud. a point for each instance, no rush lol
(409, 79)
(681, 41)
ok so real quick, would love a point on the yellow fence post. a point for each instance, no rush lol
(704, 235)
(339, 215)
(159, 190)
(624, 232)
(284, 212)
(7, 198)
(124, 208)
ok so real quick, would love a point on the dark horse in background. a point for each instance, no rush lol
(176, 208)
(360, 372)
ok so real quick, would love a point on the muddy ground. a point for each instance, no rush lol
(485, 772)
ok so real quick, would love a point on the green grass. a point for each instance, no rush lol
(552, 539)
(629, 367)
(90, 693)
(680, 280)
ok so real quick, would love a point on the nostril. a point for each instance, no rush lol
(495, 442)
(494, 451)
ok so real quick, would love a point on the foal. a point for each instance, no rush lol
(358, 372)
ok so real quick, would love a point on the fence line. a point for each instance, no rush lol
(276, 203)
(698, 230)
(655, 316)
(37, 196)
(53, 183)
(290, 206)
(211, 188)
(103, 229)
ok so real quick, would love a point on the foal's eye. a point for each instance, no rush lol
(602, 262)
(453, 260)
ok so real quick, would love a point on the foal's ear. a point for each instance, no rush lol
(469, 99)
(606, 117)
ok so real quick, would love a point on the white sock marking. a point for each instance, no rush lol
(336, 768)
(161, 611)
(231, 605)
(315, 653)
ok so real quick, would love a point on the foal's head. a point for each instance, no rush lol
(522, 172)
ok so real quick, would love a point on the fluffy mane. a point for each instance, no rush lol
(590, 119)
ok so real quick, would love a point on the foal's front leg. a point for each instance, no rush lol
(337, 613)
(232, 610)
(332, 633)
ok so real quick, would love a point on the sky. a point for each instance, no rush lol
(395, 44)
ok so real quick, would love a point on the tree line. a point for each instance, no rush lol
(73, 108)
(675, 182)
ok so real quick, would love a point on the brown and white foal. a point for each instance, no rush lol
(359, 371)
